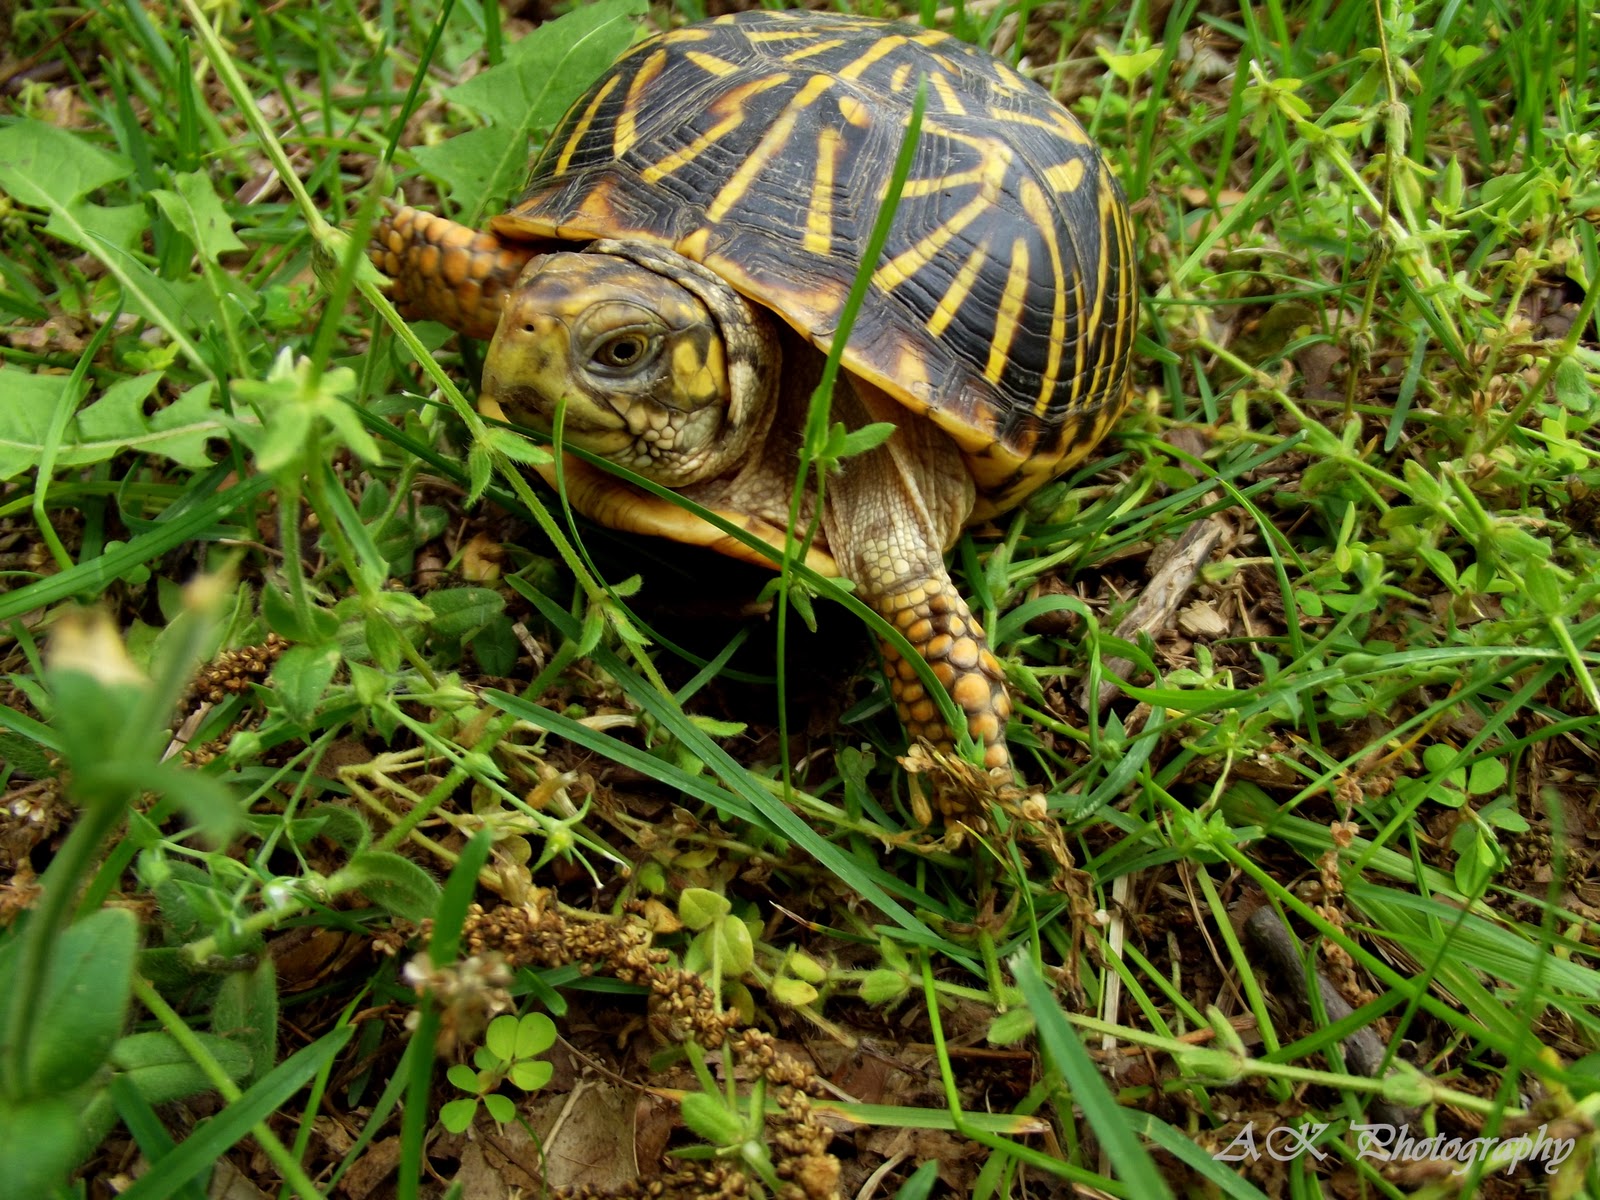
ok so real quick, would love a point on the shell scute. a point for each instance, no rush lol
(761, 145)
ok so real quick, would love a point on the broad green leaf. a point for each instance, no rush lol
(86, 997)
(341, 826)
(736, 947)
(496, 647)
(698, 907)
(398, 884)
(796, 993)
(536, 1033)
(708, 1118)
(457, 1115)
(162, 1071)
(206, 1144)
(500, 1039)
(526, 94)
(463, 1077)
(25, 417)
(1010, 1027)
(882, 986)
(532, 1075)
(41, 1146)
(300, 677)
(500, 1108)
(1129, 67)
(246, 1011)
(458, 613)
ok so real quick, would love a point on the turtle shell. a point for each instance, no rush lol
(762, 144)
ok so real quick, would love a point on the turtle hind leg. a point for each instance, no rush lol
(889, 515)
(445, 272)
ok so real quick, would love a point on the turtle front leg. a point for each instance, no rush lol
(936, 621)
(446, 272)
(889, 514)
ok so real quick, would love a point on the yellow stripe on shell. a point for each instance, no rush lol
(1119, 342)
(711, 64)
(819, 217)
(582, 127)
(757, 36)
(1092, 321)
(1007, 78)
(627, 131)
(855, 112)
(807, 51)
(1065, 178)
(901, 76)
(732, 105)
(879, 50)
(694, 246)
(908, 262)
(947, 95)
(1010, 312)
(943, 183)
(956, 294)
(1038, 210)
(1061, 124)
(773, 141)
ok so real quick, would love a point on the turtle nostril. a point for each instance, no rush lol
(527, 328)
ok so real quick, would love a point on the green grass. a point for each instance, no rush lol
(1370, 355)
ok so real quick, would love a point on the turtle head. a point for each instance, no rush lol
(660, 366)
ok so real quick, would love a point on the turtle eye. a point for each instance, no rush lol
(624, 351)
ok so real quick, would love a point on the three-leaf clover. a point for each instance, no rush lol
(510, 1050)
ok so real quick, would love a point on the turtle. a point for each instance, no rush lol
(676, 270)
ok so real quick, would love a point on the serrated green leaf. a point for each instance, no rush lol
(480, 472)
(341, 826)
(719, 729)
(197, 213)
(114, 423)
(496, 647)
(517, 448)
(527, 93)
(46, 167)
